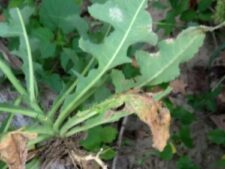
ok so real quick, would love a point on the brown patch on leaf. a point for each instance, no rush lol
(155, 115)
(13, 149)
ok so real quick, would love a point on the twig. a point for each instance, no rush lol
(212, 28)
(214, 40)
(89, 157)
(119, 142)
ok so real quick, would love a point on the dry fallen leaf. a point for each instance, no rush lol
(13, 149)
(155, 115)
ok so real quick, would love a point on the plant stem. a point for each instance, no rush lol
(212, 28)
(218, 84)
(31, 80)
(12, 78)
(99, 117)
(10, 118)
(39, 139)
(18, 110)
(77, 119)
(60, 100)
(85, 71)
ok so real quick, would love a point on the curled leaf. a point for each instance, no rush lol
(155, 115)
(13, 149)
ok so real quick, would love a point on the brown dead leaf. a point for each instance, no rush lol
(13, 149)
(155, 115)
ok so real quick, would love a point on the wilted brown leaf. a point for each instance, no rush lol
(13, 149)
(155, 115)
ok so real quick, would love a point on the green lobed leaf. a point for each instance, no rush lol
(217, 136)
(13, 28)
(70, 60)
(43, 37)
(121, 84)
(163, 66)
(184, 116)
(54, 81)
(204, 5)
(101, 94)
(132, 24)
(220, 164)
(205, 101)
(93, 140)
(185, 136)
(98, 136)
(108, 153)
(3, 165)
(64, 15)
(108, 134)
(186, 163)
(167, 153)
(188, 16)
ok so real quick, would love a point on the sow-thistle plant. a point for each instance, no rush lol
(219, 15)
(131, 24)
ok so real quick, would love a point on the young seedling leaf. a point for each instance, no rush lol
(43, 40)
(98, 136)
(64, 15)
